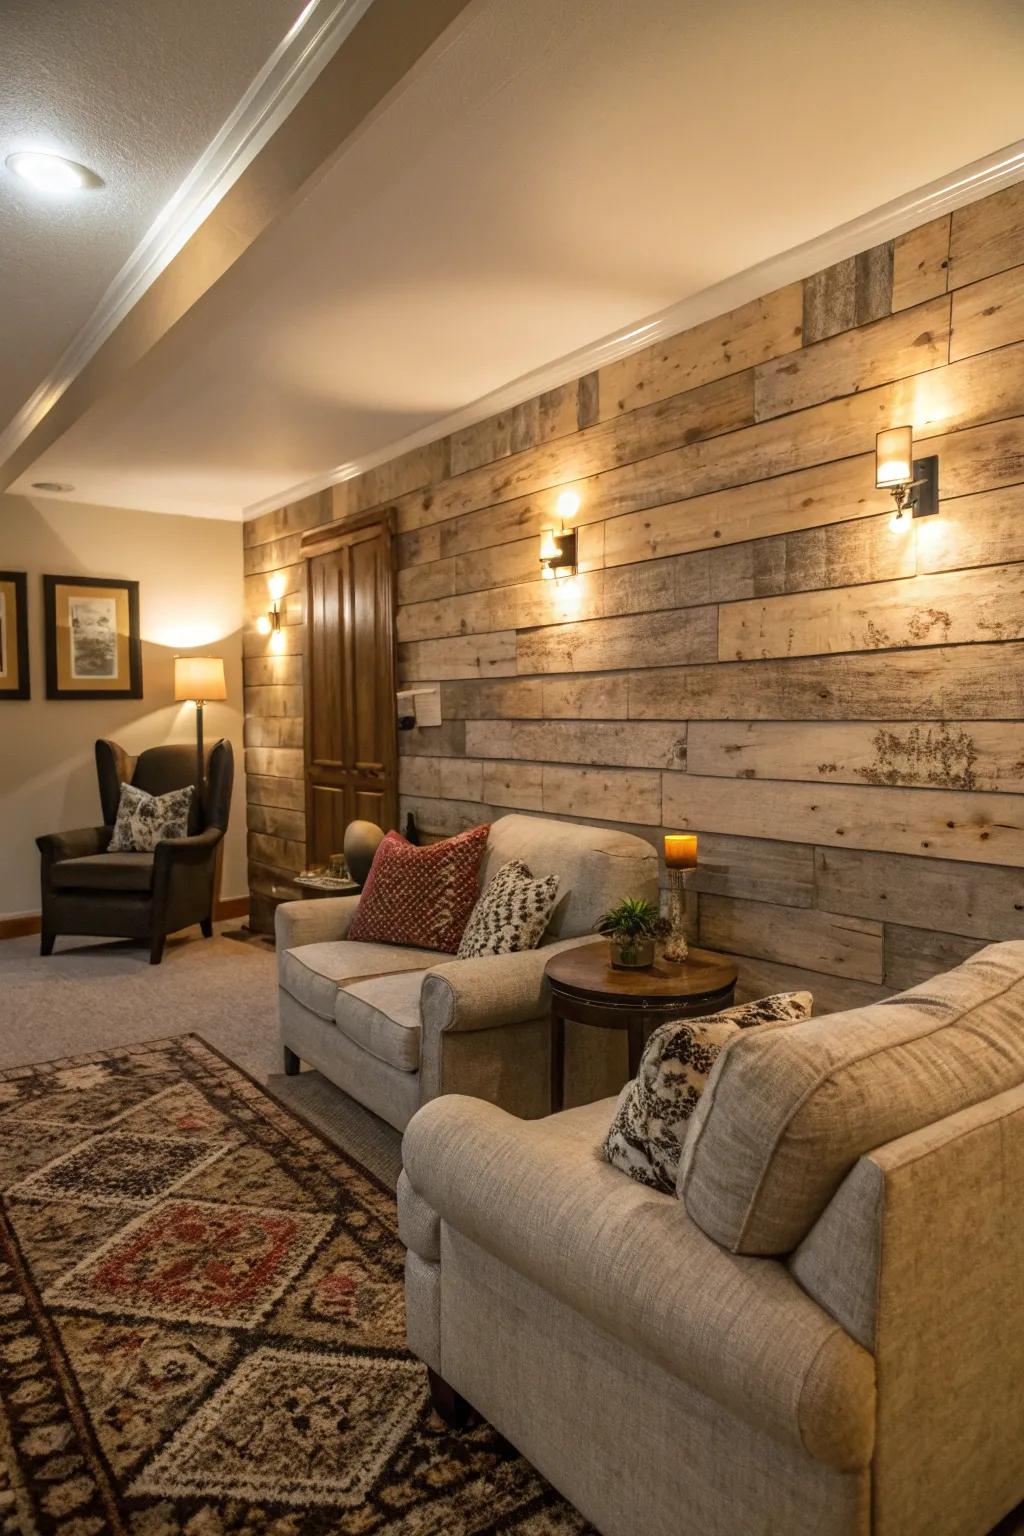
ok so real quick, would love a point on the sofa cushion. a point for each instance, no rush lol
(313, 973)
(421, 896)
(645, 1139)
(104, 872)
(512, 913)
(383, 1016)
(787, 1113)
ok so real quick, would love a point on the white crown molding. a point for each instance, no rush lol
(960, 187)
(310, 43)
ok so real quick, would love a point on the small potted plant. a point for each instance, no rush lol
(632, 928)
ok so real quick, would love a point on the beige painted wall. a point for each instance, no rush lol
(189, 571)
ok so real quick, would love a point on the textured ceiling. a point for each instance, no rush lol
(135, 89)
(551, 174)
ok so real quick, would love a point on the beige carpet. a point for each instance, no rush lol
(96, 995)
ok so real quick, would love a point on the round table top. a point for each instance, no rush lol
(587, 971)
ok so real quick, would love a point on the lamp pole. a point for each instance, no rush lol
(200, 762)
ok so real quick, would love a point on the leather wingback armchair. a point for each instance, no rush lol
(86, 890)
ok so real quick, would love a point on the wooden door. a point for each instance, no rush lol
(351, 750)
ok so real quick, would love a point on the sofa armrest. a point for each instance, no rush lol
(313, 922)
(74, 845)
(490, 990)
(632, 1261)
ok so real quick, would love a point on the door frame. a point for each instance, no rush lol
(323, 540)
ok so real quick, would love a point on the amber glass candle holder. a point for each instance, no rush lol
(680, 858)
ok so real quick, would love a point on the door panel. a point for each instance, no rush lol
(351, 754)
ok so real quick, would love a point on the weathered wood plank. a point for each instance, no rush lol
(445, 740)
(274, 556)
(397, 477)
(948, 682)
(422, 583)
(607, 794)
(443, 818)
(609, 744)
(987, 236)
(277, 822)
(852, 292)
(987, 529)
(896, 347)
(588, 402)
(813, 940)
(491, 655)
(763, 329)
(978, 460)
(838, 555)
(690, 417)
(831, 994)
(518, 698)
(279, 731)
(988, 314)
(931, 754)
(271, 700)
(420, 776)
(295, 517)
(516, 786)
(920, 259)
(547, 416)
(971, 826)
(913, 955)
(277, 852)
(461, 779)
(274, 762)
(955, 607)
(270, 790)
(419, 546)
(292, 642)
(755, 869)
(655, 640)
(278, 668)
(585, 698)
(978, 900)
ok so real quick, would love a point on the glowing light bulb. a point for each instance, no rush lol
(548, 548)
(263, 624)
(899, 523)
(547, 573)
(50, 173)
(567, 505)
(277, 641)
(276, 586)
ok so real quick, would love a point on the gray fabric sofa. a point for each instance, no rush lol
(820, 1334)
(394, 1027)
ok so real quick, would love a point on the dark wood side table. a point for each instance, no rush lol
(588, 990)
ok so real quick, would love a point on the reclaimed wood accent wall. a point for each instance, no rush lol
(749, 651)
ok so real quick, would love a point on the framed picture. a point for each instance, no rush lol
(14, 682)
(93, 644)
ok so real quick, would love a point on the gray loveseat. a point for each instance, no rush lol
(395, 1027)
(820, 1334)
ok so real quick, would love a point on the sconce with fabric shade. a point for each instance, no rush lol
(199, 680)
(913, 483)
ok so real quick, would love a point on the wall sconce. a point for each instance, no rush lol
(914, 483)
(270, 623)
(558, 545)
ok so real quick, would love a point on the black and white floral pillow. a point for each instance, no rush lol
(646, 1136)
(145, 820)
(512, 913)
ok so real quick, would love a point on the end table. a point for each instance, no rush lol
(588, 990)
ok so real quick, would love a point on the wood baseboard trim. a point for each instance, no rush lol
(21, 927)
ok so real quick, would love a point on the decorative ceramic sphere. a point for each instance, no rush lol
(362, 839)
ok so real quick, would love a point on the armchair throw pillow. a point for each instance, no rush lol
(512, 913)
(145, 820)
(645, 1139)
(421, 897)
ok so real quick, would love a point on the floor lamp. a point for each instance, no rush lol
(199, 679)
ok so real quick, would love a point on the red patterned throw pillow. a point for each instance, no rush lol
(421, 896)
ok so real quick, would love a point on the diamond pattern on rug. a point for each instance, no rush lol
(187, 1261)
(119, 1168)
(296, 1427)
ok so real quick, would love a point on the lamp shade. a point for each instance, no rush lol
(894, 457)
(200, 678)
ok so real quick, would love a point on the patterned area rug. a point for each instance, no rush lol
(202, 1328)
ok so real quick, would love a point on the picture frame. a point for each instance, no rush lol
(14, 670)
(93, 638)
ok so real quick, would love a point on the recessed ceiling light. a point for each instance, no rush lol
(51, 485)
(51, 173)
